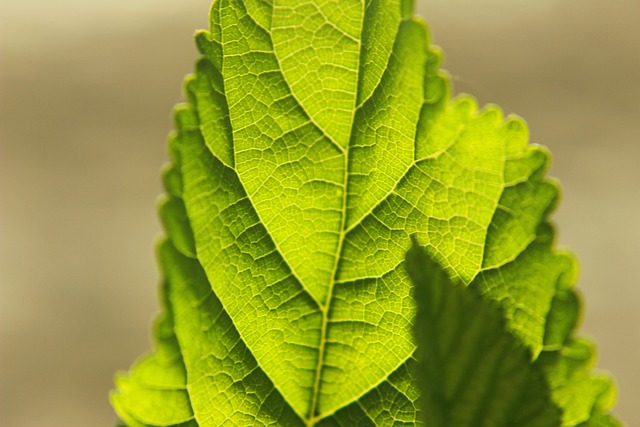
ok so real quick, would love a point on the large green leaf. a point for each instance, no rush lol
(317, 137)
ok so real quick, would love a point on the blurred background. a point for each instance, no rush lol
(86, 93)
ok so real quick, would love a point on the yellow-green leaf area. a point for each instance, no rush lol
(317, 136)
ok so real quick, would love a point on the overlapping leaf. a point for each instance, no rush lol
(473, 371)
(318, 136)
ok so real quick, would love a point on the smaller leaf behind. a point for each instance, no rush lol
(473, 371)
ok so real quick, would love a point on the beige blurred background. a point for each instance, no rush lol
(85, 98)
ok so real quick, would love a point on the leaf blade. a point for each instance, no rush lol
(300, 224)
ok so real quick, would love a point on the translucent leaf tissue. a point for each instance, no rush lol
(319, 138)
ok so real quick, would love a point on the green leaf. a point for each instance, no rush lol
(317, 136)
(473, 371)
(154, 392)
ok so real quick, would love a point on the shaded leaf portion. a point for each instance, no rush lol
(473, 372)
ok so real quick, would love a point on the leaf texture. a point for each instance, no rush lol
(317, 137)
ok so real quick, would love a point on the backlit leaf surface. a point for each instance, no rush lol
(317, 137)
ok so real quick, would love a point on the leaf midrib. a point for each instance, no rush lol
(324, 308)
